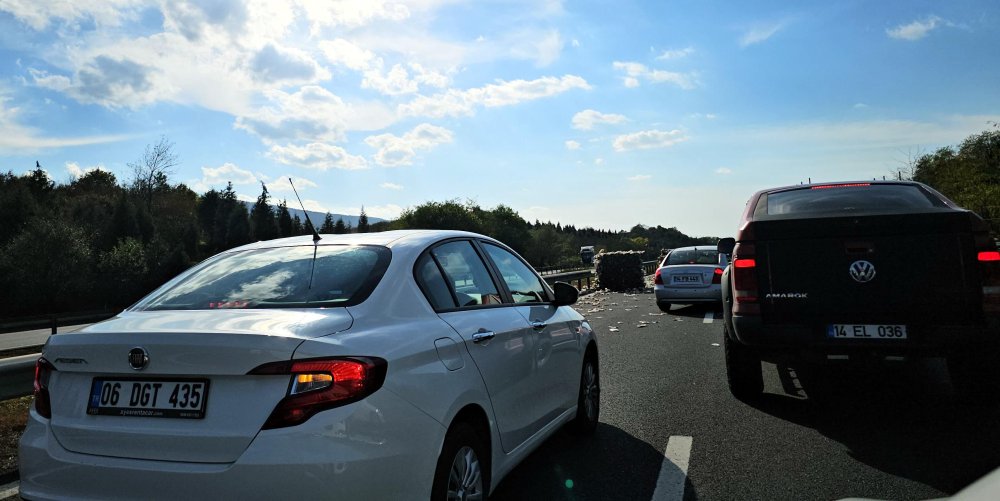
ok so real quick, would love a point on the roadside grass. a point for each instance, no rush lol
(13, 417)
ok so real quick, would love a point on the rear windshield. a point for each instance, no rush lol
(874, 198)
(693, 256)
(281, 277)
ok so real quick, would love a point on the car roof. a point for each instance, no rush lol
(383, 238)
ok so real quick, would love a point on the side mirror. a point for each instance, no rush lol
(566, 294)
(726, 245)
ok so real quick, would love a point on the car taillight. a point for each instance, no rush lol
(745, 279)
(717, 276)
(43, 404)
(989, 271)
(321, 383)
(658, 279)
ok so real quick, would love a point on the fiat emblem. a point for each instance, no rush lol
(862, 271)
(138, 358)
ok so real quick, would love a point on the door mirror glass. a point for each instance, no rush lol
(566, 294)
(726, 245)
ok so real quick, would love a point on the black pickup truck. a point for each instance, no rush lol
(862, 270)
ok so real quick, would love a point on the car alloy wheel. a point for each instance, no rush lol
(465, 479)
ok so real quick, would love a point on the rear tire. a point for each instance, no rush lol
(743, 371)
(975, 375)
(588, 402)
(664, 307)
(463, 469)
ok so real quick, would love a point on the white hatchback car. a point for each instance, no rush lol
(395, 365)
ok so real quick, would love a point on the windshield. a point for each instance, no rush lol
(860, 197)
(281, 277)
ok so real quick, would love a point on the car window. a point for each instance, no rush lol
(466, 274)
(432, 283)
(693, 256)
(861, 197)
(280, 277)
(524, 285)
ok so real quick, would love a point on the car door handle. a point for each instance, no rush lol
(483, 335)
(538, 325)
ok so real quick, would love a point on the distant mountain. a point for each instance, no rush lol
(317, 217)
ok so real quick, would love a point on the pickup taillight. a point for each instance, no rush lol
(745, 279)
(989, 271)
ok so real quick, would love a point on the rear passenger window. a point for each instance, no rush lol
(466, 274)
(433, 285)
(873, 198)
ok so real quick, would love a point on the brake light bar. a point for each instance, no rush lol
(745, 263)
(842, 185)
(989, 256)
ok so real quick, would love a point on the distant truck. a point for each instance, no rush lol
(587, 254)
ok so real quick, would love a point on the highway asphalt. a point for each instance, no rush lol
(889, 432)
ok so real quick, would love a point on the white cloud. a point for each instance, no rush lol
(351, 13)
(761, 33)
(859, 106)
(586, 119)
(312, 114)
(394, 151)
(675, 53)
(640, 177)
(227, 172)
(398, 80)
(575, 43)
(287, 66)
(648, 139)
(18, 138)
(39, 15)
(106, 81)
(572, 145)
(319, 156)
(280, 184)
(724, 171)
(598, 161)
(391, 186)
(387, 211)
(345, 53)
(636, 72)
(76, 172)
(915, 30)
(503, 93)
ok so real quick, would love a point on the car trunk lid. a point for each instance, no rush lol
(212, 349)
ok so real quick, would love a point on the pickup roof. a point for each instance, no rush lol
(862, 270)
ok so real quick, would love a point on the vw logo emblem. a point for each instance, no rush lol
(138, 358)
(862, 271)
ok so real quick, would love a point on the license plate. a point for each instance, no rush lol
(168, 398)
(686, 279)
(866, 331)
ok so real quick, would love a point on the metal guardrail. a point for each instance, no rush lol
(589, 276)
(17, 376)
(54, 321)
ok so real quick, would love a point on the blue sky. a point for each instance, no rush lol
(604, 114)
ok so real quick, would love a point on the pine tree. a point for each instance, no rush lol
(339, 228)
(327, 226)
(284, 220)
(262, 223)
(363, 222)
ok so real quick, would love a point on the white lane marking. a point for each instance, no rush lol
(8, 490)
(673, 470)
(709, 316)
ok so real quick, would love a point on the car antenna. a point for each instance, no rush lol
(316, 237)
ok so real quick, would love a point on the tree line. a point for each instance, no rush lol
(98, 243)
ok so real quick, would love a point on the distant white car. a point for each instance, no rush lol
(689, 275)
(396, 365)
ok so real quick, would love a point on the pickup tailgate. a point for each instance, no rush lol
(922, 269)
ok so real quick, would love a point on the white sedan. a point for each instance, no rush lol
(395, 365)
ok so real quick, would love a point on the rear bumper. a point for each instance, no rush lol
(378, 448)
(666, 294)
(812, 340)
